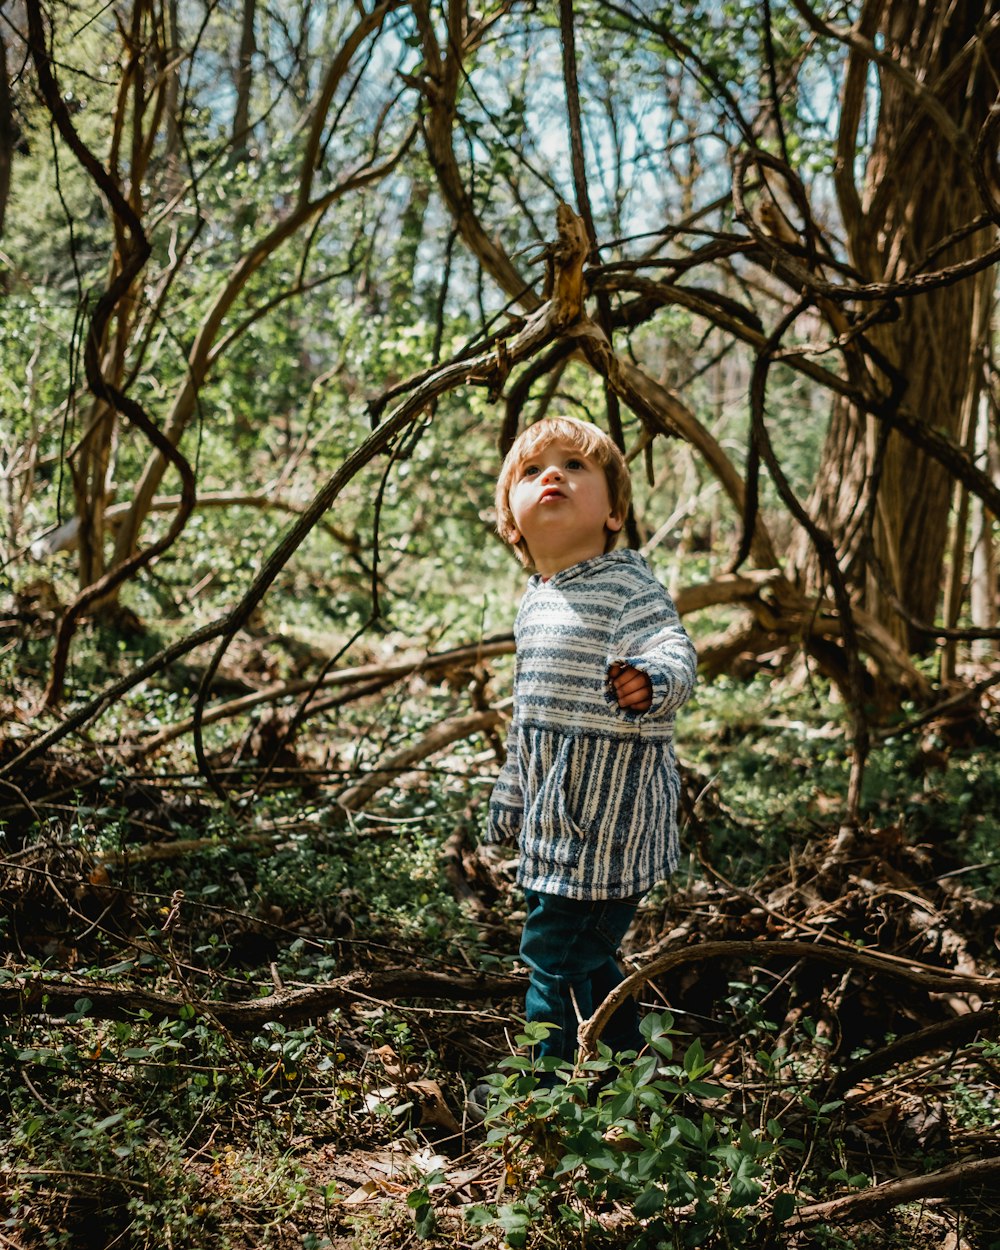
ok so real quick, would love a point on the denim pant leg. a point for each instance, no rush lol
(570, 947)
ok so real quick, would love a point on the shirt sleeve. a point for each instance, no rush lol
(507, 800)
(649, 636)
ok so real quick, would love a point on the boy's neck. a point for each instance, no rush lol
(549, 563)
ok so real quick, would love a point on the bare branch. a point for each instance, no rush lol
(841, 954)
(488, 369)
(134, 259)
(42, 995)
(443, 735)
(870, 1203)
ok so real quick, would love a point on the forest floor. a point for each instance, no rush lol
(260, 1029)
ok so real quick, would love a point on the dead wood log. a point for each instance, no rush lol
(65, 537)
(454, 869)
(946, 1033)
(779, 608)
(43, 995)
(362, 674)
(441, 736)
(853, 1208)
(180, 848)
(727, 588)
(840, 955)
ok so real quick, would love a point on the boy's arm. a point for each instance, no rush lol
(650, 645)
(507, 800)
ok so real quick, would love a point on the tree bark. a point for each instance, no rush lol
(244, 82)
(6, 137)
(873, 1202)
(983, 577)
(919, 188)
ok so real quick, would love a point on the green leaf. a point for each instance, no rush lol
(690, 1132)
(743, 1188)
(108, 1122)
(424, 1220)
(644, 1069)
(649, 1202)
(694, 1059)
(568, 1163)
(514, 1220)
(702, 1089)
(656, 1030)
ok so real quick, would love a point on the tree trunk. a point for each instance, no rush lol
(244, 81)
(983, 578)
(919, 188)
(171, 69)
(6, 138)
(92, 462)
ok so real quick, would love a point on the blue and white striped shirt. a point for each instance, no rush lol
(589, 789)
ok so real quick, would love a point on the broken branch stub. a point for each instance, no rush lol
(568, 254)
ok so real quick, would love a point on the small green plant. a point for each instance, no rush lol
(647, 1133)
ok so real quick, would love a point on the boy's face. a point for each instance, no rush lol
(561, 506)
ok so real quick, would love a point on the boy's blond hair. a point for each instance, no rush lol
(590, 441)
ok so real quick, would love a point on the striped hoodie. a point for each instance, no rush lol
(590, 790)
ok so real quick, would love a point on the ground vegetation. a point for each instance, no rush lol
(279, 289)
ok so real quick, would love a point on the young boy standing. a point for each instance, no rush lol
(590, 785)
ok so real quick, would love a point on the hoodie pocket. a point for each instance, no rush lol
(555, 812)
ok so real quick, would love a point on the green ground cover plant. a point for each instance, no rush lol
(714, 1136)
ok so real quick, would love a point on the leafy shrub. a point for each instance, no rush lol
(633, 1132)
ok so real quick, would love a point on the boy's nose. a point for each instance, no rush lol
(552, 472)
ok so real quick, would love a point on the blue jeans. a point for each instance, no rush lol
(570, 944)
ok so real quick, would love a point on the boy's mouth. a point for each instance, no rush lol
(552, 492)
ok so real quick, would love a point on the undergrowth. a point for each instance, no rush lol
(148, 1127)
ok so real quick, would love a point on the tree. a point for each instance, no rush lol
(715, 241)
(919, 190)
(125, 313)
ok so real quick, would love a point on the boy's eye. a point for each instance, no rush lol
(573, 463)
(530, 470)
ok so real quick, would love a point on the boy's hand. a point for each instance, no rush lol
(633, 689)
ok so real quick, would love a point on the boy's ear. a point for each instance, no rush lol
(514, 537)
(613, 523)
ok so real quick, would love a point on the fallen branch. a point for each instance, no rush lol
(454, 870)
(441, 736)
(65, 537)
(180, 848)
(881, 1198)
(778, 607)
(757, 952)
(946, 1033)
(430, 662)
(49, 996)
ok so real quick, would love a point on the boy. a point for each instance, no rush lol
(590, 784)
